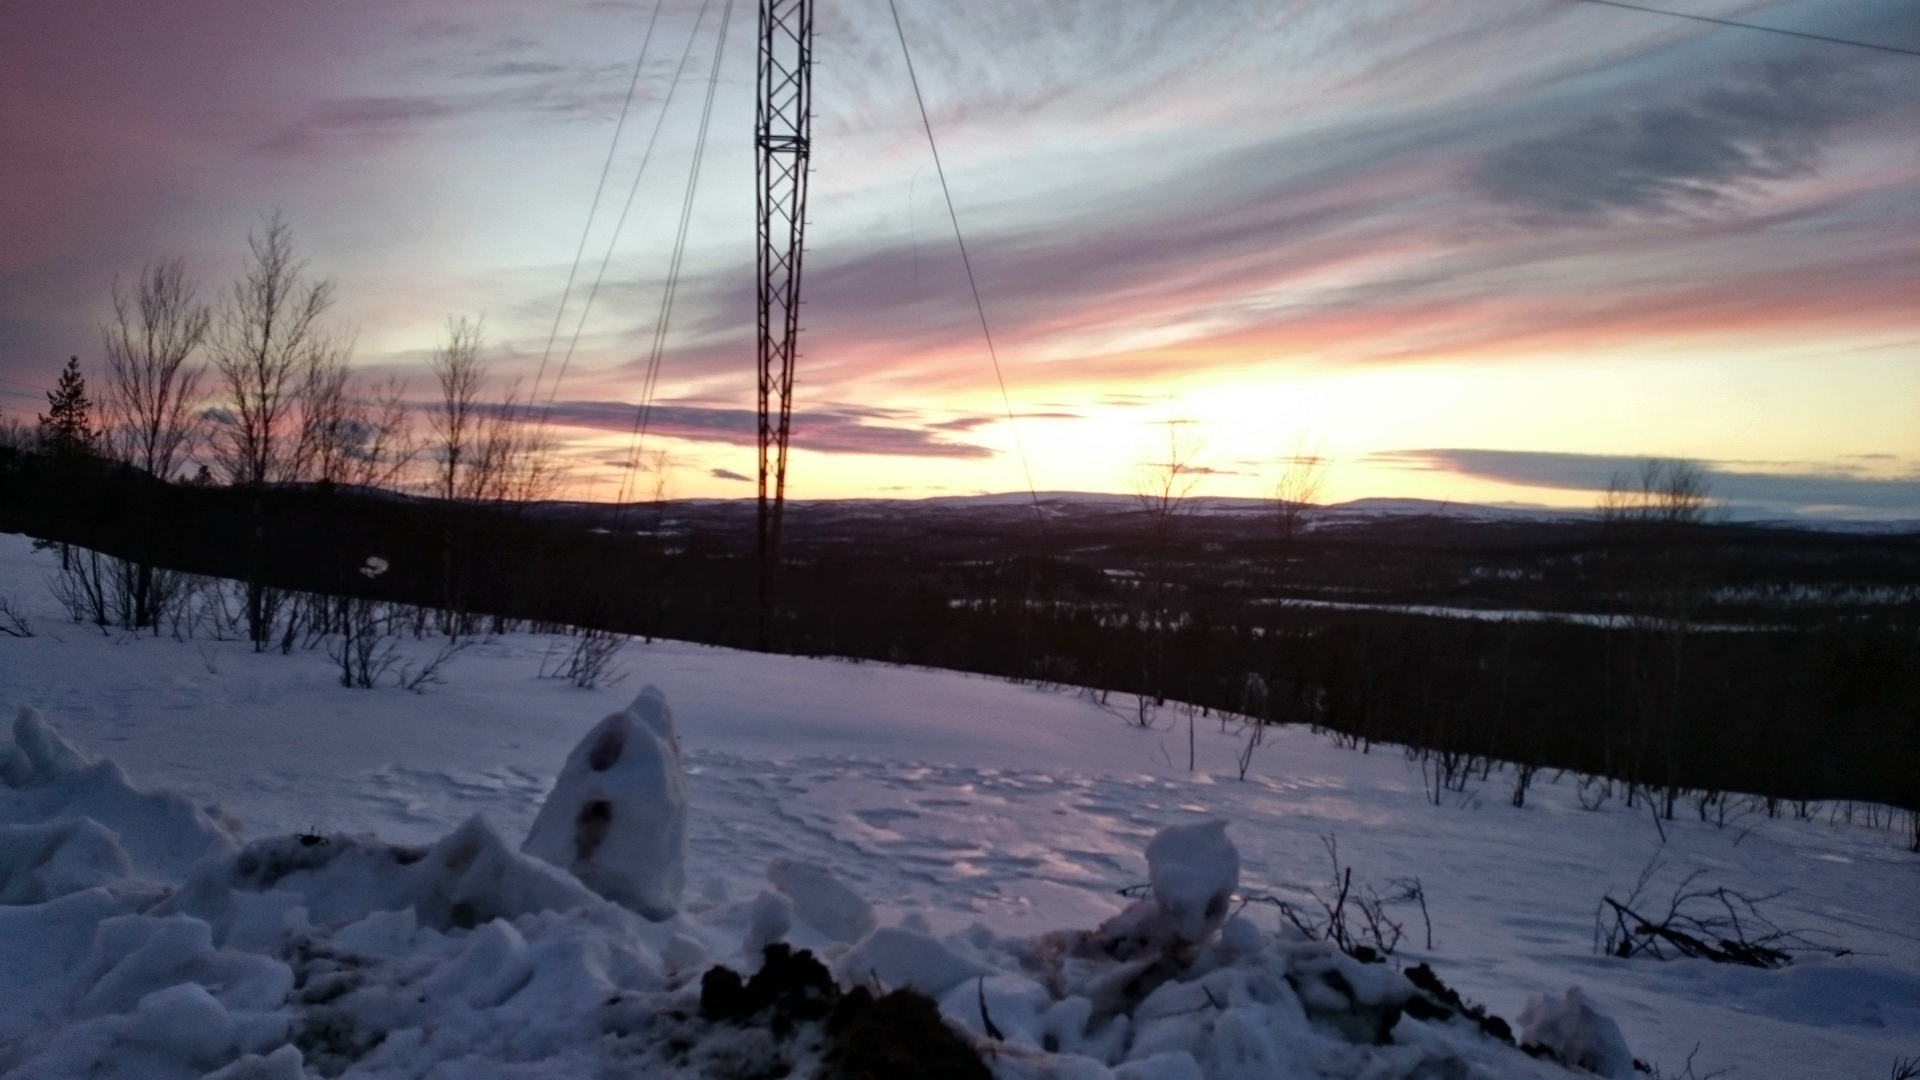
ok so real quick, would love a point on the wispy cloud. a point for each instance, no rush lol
(1808, 492)
(824, 431)
(556, 95)
(1702, 151)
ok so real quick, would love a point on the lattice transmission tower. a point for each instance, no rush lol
(782, 139)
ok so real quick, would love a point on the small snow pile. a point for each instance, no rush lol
(1172, 988)
(1576, 1034)
(821, 900)
(617, 817)
(1194, 870)
(769, 919)
(896, 956)
(38, 756)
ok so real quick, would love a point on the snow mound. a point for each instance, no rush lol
(39, 755)
(821, 900)
(768, 920)
(148, 997)
(52, 859)
(1194, 870)
(617, 816)
(1577, 1034)
(45, 780)
(896, 957)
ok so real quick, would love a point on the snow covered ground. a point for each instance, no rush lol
(944, 800)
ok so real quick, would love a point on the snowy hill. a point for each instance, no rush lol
(965, 811)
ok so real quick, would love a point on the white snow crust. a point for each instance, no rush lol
(378, 917)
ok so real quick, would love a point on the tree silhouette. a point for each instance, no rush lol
(67, 426)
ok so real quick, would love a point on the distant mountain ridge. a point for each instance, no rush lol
(1355, 509)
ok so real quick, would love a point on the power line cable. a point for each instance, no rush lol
(658, 352)
(643, 414)
(1754, 26)
(939, 170)
(593, 210)
(621, 222)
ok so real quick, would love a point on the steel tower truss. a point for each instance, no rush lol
(782, 138)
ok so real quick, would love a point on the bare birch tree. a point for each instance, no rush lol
(149, 420)
(266, 343)
(456, 422)
(535, 471)
(1164, 481)
(329, 417)
(1303, 474)
(516, 461)
(484, 451)
(1647, 519)
(492, 475)
(381, 442)
(151, 392)
(1663, 492)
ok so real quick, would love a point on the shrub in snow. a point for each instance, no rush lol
(1576, 1034)
(821, 900)
(617, 816)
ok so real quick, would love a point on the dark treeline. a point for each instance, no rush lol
(1678, 697)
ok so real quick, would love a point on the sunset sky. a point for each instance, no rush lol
(1476, 250)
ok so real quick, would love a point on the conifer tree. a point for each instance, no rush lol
(67, 425)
